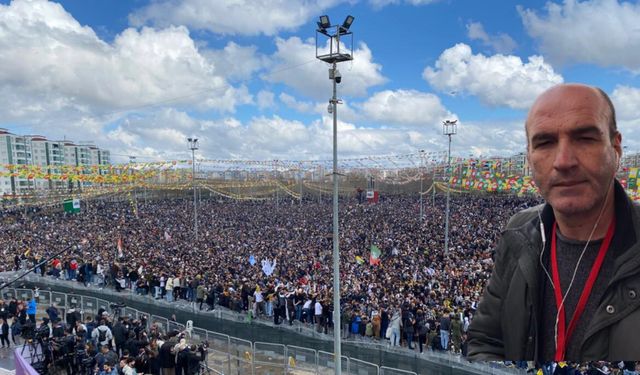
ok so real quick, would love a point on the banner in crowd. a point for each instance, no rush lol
(374, 257)
(71, 205)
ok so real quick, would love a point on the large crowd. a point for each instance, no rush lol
(65, 342)
(274, 259)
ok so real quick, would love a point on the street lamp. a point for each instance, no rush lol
(132, 160)
(421, 184)
(449, 128)
(333, 33)
(193, 146)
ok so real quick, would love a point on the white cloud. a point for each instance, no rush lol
(245, 17)
(161, 135)
(54, 67)
(236, 61)
(500, 43)
(265, 99)
(295, 65)
(626, 100)
(602, 32)
(293, 103)
(407, 107)
(498, 80)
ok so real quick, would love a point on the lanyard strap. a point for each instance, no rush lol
(565, 334)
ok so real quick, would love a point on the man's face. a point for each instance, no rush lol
(570, 151)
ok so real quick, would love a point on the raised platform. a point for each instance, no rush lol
(335, 57)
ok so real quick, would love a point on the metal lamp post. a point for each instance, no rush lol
(449, 128)
(421, 184)
(333, 34)
(132, 160)
(193, 146)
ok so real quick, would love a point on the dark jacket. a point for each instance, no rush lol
(506, 324)
(167, 355)
(121, 333)
(193, 362)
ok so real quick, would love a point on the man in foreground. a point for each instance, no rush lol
(566, 278)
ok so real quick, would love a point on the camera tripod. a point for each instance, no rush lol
(204, 368)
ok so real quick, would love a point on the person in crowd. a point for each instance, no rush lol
(102, 335)
(4, 333)
(396, 325)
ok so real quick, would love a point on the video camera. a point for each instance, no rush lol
(41, 333)
(117, 305)
(203, 346)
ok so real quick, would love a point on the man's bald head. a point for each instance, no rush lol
(556, 92)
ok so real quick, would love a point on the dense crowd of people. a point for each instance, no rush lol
(274, 259)
(105, 344)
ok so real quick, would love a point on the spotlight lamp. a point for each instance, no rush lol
(347, 22)
(324, 22)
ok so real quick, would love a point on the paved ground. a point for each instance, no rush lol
(6, 361)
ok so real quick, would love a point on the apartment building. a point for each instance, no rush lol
(49, 155)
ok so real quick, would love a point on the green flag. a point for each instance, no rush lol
(71, 205)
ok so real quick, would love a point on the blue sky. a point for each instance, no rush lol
(138, 77)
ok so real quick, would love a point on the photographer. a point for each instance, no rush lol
(194, 356)
(133, 344)
(84, 361)
(167, 354)
(53, 312)
(64, 349)
(73, 316)
(42, 331)
(120, 333)
(102, 334)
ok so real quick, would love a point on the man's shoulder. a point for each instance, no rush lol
(523, 217)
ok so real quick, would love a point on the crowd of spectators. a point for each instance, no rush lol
(274, 259)
(103, 345)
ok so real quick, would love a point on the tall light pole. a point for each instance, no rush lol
(132, 160)
(193, 146)
(301, 177)
(333, 34)
(433, 185)
(421, 188)
(448, 129)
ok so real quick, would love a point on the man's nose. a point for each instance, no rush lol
(565, 156)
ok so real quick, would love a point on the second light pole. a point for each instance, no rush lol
(193, 145)
(448, 129)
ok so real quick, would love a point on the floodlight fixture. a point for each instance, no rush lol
(324, 22)
(347, 22)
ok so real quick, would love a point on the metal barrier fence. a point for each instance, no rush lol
(226, 354)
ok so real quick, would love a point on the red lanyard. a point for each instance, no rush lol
(565, 334)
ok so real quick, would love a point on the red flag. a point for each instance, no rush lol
(120, 251)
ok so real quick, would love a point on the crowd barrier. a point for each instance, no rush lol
(229, 354)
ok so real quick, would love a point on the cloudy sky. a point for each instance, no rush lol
(138, 77)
